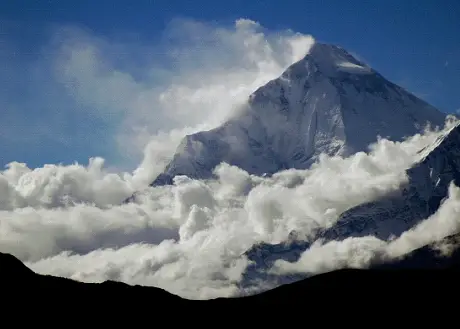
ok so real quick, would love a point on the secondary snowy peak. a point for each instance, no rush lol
(328, 102)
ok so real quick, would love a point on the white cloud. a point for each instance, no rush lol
(189, 238)
(362, 252)
(56, 185)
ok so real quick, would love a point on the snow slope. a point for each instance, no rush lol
(327, 102)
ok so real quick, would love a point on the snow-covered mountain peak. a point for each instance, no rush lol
(330, 60)
(321, 104)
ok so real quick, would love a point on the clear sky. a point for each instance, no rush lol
(413, 43)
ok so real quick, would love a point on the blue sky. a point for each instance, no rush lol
(413, 43)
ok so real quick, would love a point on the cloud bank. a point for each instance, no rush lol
(188, 238)
(363, 251)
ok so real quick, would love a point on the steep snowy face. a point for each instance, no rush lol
(328, 102)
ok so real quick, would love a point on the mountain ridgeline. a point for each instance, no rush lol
(420, 277)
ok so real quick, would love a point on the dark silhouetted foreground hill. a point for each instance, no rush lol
(421, 275)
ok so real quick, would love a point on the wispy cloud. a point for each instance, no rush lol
(144, 98)
(204, 73)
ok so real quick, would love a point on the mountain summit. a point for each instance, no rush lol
(328, 102)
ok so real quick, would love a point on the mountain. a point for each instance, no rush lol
(328, 102)
(23, 288)
(427, 185)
